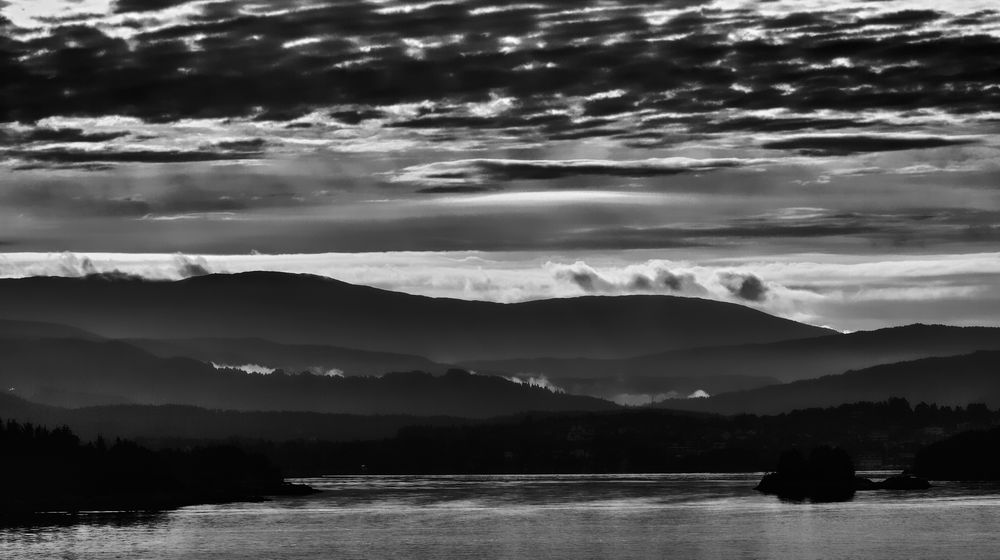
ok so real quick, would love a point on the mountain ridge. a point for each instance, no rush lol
(950, 380)
(309, 309)
(787, 360)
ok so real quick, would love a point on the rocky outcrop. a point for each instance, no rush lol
(827, 475)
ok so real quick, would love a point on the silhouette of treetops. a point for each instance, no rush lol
(50, 470)
(880, 435)
(827, 474)
(877, 435)
(971, 455)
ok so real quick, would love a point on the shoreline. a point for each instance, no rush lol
(28, 511)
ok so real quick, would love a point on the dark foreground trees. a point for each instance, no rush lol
(826, 474)
(972, 455)
(44, 470)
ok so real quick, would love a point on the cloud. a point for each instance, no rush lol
(65, 135)
(651, 278)
(896, 228)
(143, 58)
(457, 189)
(740, 122)
(188, 267)
(745, 286)
(74, 265)
(905, 18)
(62, 156)
(477, 171)
(533, 380)
(255, 369)
(124, 6)
(843, 291)
(842, 145)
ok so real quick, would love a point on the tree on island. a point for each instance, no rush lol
(52, 471)
(826, 475)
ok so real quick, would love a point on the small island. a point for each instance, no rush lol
(51, 471)
(827, 474)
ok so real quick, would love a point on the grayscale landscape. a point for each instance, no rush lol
(304, 279)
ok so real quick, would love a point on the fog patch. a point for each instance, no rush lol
(644, 399)
(254, 369)
(540, 381)
(322, 371)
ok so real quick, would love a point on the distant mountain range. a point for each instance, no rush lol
(69, 372)
(179, 422)
(951, 380)
(291, 358)
(723, 368)
(135, 341)
(28, 330)
(313, 310)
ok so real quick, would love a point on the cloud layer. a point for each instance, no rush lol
(632, 71)
(580, 134)
(847, 292)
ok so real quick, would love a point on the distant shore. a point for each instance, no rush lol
(43, 505)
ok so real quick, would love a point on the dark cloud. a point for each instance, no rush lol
(92, 167)
(692, 64)
(123, 6)
(188, 267)
(477, 171)
(657, 280)
(587, 281)
(68, 135)
(247, 146)
(674, 281)
(933, 226)
(906, 17)
(835, 145)
(50, 199)
(458, 189)
(663, 280)
(74, 157)
(117, 196)
(745, 286)
(780, 124)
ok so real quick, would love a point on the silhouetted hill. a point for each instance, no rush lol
(35, 329)
(322, 359)
(179, 422)
(289, 357)
(642, 390)
(788, 360)
(115, 372)
(971, 455)
(879, 435)
(953, 380)
(304, 309)
(47, 471)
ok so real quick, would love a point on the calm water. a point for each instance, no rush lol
(573, 517)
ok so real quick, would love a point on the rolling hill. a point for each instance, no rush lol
(75, 373)
(952, 380)
(292, 358)
(787, 360)
(179, 422)
(305, 309)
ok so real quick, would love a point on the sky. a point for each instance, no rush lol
(834, 162)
